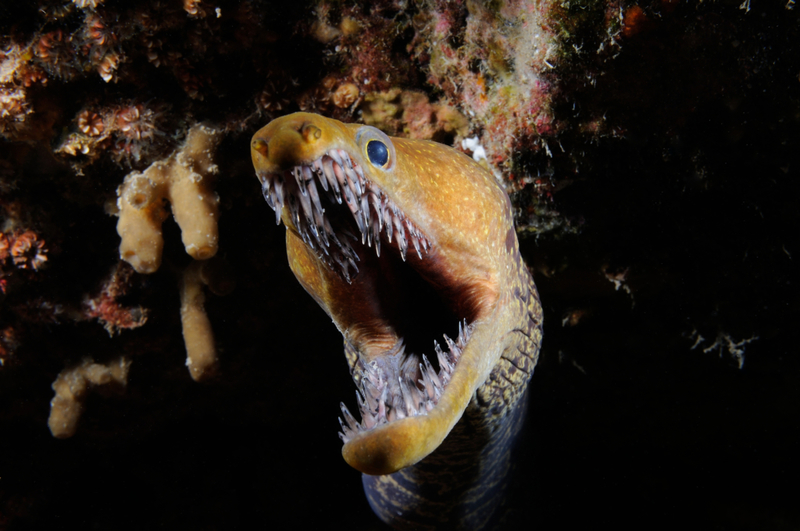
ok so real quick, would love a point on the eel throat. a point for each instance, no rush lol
(409, 247)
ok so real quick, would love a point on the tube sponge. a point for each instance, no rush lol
(183, 180)
(198, 336)
(71, 386)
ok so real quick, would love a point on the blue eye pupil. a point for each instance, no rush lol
(377, 153)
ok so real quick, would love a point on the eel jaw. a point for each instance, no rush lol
(407, 406)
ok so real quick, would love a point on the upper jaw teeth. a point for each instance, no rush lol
(397, 385)
(342, 180)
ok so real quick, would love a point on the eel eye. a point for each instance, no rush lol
(377, 153)
(376, 147)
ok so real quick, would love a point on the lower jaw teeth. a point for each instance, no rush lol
(385, 397)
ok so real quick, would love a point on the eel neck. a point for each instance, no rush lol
(462, 484)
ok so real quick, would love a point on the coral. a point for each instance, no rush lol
(108, 64)
(90, 123)
(129, 133)
(14, 110)
(499, 78)
(346, 95)
(411, 114)
(194, 8)
(137, 128)
(723, 343)
(55, 53)
(184, 180)
(28, 251)
(273, 99)
(72, 385)
(24, 250)
(106, 308)
(360, 40)
(87, 4)
(9, 342)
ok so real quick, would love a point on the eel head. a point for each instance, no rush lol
(400, 241)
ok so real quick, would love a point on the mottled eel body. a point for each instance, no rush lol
(401, 241)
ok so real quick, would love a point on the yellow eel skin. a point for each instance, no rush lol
(436, 436)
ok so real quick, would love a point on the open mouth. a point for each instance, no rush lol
(353, 227)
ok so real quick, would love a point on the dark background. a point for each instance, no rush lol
(628, 425)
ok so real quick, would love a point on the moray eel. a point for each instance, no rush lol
(405, 243)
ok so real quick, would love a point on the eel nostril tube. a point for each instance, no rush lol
(260, 145)
(311, 133)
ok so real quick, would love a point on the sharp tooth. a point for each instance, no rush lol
(408, 368)
(305, 202)
(376, 235)
(353, 181)
(455, 352)
(402, 244)
(427, 383)
(320, 173)
(298, 177)
(351, 421)
(376, 206)
(463, 331)
(371, 394)
(294, 211)
(362, 404)
(430, 371)
(398, 406)
(329, 231)
(314, 193)
(306, 238)
(319, 221)
(365, 212)
(408, 399)
(368, 420)
(416, 245)
(330, 175)
(388, 223)
(335, 156)
(266, 191)
(343, 268)
(278, 199)
(345, 158)
(361, 226)
(345, 439)
(350, 198)
(399, 229)
(417, 398)
(341, 177)
(347, 433)
(308, 177)
(410, 227)
(382, 404)
(445, 368)
(365, 207)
